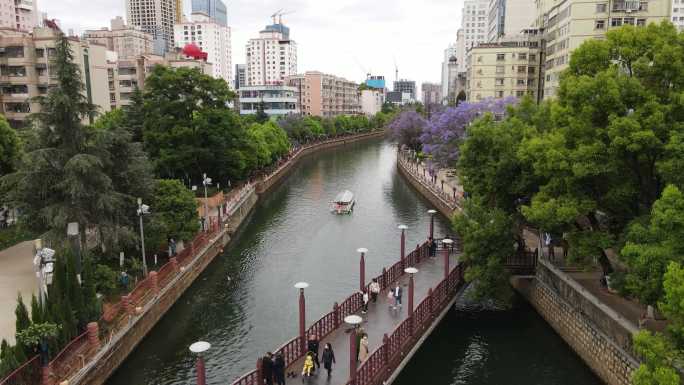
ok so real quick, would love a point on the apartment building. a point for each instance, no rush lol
(271, 57)
(372, 101)
(509, 17)
(126, 75)
(277, 100)
(211, 37)
(449, 53)
(405, 87)
(678, 14)
(26, 71)
(568, 23)
(326, 95)
(431, 93)
(509, 67)
(156, 17)
(19, 14)
(240, 75)
(126, 41)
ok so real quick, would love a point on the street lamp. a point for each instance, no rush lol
(354, 321)
(302, 314)
(447, 248)
(410, 271)
(198, 348)
(206, 182)
(143, 210)
(362, 267)
(432, 222)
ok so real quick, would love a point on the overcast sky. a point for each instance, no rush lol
(342, 37)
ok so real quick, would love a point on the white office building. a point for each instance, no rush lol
(506, 18)
(271, 57)
(156, 17)
(678, 14)
(275, 100)
(211, 37)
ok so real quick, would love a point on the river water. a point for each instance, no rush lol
(245, 304)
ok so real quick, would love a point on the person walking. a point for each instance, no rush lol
(312, 347)
(363, 348)
(432, 247)
(374, 290)
(267, 368)
(364, 309)
(328, 357)
(279, 369)
(397, 296)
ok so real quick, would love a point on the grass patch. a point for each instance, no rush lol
(12, 235)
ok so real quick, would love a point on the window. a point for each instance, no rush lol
(601, 8)
(499, 81)
(520, 94)
(533, 57)
(616, 22)
(500, 69)
(628, 21)
(643, 6)
(600, 24)
(500, 56)
(522, 69)
(479, 59)
(499, 94)
(530, 70)
(520, 82)
(522, 56)
(641, 22)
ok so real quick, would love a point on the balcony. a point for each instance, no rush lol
(627, 6)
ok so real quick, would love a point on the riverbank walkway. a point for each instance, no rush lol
(394, 334)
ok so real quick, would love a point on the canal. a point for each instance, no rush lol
(245, 304)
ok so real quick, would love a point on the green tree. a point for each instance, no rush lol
(486, 234)
(672, 302)
(261, 116)
(23, 321)
(657, 358)
(35, 334)
(37, 311)
(174, 208)
(10, 147)
(189, 130)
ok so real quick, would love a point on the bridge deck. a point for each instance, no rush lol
(381, 319)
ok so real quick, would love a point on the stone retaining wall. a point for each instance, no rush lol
(438, 203)
(596, 333)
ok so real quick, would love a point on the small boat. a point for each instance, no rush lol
(343, 203)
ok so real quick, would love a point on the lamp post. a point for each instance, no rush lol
(432, 222)
(302, 315)
(403, 243)
(354, 321)
(447, 248)
(410, 271)
(198, 348)
(143, 210)
(206, 182)
(362, 267)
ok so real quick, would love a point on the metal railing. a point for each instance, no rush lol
(451, 201)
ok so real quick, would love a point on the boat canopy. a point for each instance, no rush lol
(345, 197)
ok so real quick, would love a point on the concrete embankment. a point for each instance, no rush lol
(117, 349)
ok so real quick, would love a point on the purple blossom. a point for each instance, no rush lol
(444, 133)
(407, 128)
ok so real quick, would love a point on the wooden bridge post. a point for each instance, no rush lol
(432, 221)
(418, 250)
(447, 249)
(430, 306)
(201, 371)
(385, 356)
(336, 315)
(362, 269)
(260, 371)
(384, 282)
(410, 305)
(403, 245)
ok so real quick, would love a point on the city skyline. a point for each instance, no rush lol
(387, 28)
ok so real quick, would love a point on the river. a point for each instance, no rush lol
(245, 304)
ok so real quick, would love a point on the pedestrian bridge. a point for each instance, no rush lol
(394, 335)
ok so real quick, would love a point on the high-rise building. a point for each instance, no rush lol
(126, 41)
(431, 93)
(155, 17)
(272, 56)
(509, 67)
(509, 17)
(406, 87)
(474, 22)
(678, 14)
(240, 75)
(372, 101)
(565, 30)
(375, 81)
(29, 72)
(449, 53)
(326, 95)
(179, 10)
(19, 14)
(211, 37)
(215, 9)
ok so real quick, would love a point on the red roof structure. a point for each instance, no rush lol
(194, 52)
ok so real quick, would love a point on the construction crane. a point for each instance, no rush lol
(396, 69)
(279, 14)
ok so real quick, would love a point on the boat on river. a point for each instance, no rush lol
(343, 203)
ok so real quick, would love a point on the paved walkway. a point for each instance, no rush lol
(16, 276)
(380, 319)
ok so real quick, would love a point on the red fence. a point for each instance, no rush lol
(384, 360)
(28, 373)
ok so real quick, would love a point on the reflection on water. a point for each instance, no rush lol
(472, 346)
